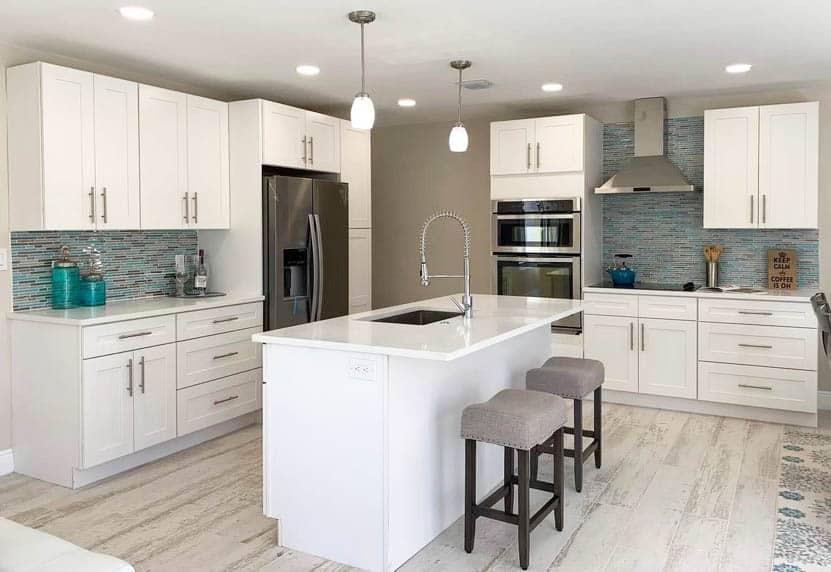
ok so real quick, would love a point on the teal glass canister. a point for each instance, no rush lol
(66, 280)
(93, 290)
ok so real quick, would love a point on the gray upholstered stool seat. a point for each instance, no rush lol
(520, 421)
(572, 378)
(514, 418)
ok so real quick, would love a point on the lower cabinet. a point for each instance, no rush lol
(613, 341)
(128, 403)
(216, 401)
(360, 270)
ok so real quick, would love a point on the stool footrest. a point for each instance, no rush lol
(587, 452)
(485, 507)
(586, 432)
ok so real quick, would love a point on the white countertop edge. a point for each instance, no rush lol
(175, 306)
(799, 295)
(265, 338)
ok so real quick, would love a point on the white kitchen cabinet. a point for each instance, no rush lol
(511, 143)
(73, 150)
(323, 140)
(761, 166)
(613, 340)
(789, 165)
(668, 358)
(154, 396)
(163, 142)
(356, 170)
(208, 164)
(541, 145)
(107, 408)
(284, 135)
(360, 270)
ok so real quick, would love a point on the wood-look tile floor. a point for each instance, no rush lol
(676, 492)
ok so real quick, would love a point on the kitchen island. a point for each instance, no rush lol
(363, 463)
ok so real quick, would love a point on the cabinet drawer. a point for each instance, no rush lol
(130, 335)
(204, 359)
(611, 304)
(794, 314)
(794, 348)
(218, 320)
(668, 307)
(788, 389)
(219, 400)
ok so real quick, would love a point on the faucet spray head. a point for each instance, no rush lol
(425, 278)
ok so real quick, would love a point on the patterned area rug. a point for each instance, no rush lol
(803, 519)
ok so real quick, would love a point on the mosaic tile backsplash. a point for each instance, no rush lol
(136, 263)
(664, 231)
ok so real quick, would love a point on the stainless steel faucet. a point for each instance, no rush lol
(466, 306)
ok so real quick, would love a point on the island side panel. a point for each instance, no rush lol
(426, 466)
(324, 436)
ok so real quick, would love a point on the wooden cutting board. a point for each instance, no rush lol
(782, 269)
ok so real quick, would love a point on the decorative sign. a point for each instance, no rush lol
(782, 269)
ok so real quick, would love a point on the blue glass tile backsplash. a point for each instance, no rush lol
(136, 263)
(664, 231)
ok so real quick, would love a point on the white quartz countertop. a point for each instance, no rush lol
(798, 295)
(495, 318)
(120, 310)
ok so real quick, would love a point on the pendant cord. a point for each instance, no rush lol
(363, 63)
(460, 96)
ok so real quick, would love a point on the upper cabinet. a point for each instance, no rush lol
(542, 145)
(73, 150)
(761, 166)
(208, 163)
(356, 170)
(300, 139)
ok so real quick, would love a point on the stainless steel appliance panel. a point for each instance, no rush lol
(331, 212)
(536, 233)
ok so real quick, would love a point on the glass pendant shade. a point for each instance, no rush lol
(363, 112)
(458, 138)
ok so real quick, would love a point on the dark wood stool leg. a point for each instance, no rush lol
(578, 444)
(524, 508)
(597, 422)
(535, 463)
(470, 494)
(509, 476)
(559, 477)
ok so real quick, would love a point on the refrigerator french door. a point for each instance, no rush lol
(305, 249)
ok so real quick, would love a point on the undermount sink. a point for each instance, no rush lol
(418, 317)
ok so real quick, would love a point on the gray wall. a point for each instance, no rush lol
(413, 175)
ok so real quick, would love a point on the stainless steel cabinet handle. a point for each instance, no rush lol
(538, 155)
(746, 386)
(141, 382)
(130, 376)
(751, 209)
(223, 356)
(305, 156)
(749, 313)
(136, 335)
(223, 320)
(764, 208)
(311, 150)
(226, 400)
(528, 156)
(756, 346)
(92, 205)
(195, 207)
(631, 336)
(643, 341)
(187, 208)
(104, 203)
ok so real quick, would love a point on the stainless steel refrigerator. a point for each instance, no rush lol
(306, 250)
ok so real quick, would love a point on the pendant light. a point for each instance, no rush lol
(363, 111)
(458, 139)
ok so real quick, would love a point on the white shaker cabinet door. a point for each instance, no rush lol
(323, 140)
(511, 147)
(360, 270)
(668, 359)
(68, 148)
(613, 340)
(165, 203)
(116, 154)
(559, 144)
(155, 395)
(356, 170)
(107, 408)
(208, 163)
(731, 168)
(284, 136)
(789, 165)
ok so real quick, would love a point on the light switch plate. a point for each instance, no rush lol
(4, 259)
(362, 369)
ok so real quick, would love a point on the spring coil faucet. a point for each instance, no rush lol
(466, 306)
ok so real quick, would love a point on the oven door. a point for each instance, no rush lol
(536, 233)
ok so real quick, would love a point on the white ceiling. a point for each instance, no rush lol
(601, 50)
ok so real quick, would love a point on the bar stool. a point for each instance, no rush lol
(517, 420)
(572, 378)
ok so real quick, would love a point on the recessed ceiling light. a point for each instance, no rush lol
(306, 69)
(552, 87)
(136, 13)
(406, 102)
(738, 68)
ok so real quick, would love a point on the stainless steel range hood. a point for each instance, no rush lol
(649, 170)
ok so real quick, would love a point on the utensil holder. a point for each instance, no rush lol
(712, 274)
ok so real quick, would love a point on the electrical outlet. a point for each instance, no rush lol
(4, 259)
(362, 369)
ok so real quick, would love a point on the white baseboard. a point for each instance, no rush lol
(824, 400)
(6, 462)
